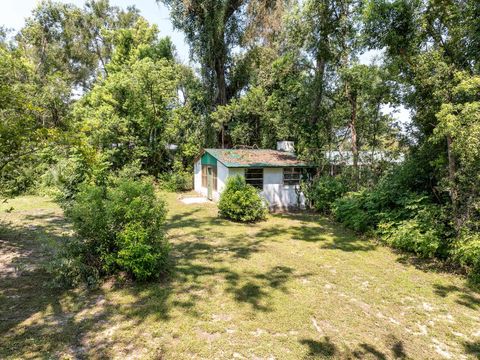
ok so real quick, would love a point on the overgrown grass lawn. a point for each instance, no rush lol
(292, 287)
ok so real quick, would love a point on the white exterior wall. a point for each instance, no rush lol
(222, 174)
(236, 171)
(278, 195)
(197, 176)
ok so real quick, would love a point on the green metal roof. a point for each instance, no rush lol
(241, 158)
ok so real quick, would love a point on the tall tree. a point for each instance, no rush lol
(136, 112)
(324, 31)
(70, 47)
(22, 133)
(215, 29)
(212, 28)
(427, 42)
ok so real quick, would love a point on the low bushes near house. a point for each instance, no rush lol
(240, 201)
(466, 250)
(352, 210)
(423, 234)
(322, 192)
(119, 229)
(411, 221)
(181, 180)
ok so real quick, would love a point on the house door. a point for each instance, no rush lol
(209, 182)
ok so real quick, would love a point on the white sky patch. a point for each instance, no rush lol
(371, 57)
(401, 115)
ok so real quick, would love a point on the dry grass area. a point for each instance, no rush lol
(292, 287)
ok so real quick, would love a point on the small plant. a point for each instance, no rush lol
(240, 201)
(119, 228)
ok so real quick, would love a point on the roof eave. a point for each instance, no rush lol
(266, 165)
(260, 165)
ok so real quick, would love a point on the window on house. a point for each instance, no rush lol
(205, 176)
(254, 177)
(292, 176)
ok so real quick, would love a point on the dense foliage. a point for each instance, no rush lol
(94, 90)
(119, 228)
(322, 191)
(240, 201)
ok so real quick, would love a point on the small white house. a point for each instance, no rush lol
(276, 173)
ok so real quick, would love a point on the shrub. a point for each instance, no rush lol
(466, 250)
(411, 235)
(363, 210)
(176, 181)
(119, 228)
(354, 212)
(18, 179)
(423, 233)
(323, 191)
(240, 201)
(73, 265)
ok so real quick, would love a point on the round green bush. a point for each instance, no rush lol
(240, 201)
(119, 228)
(323, 191)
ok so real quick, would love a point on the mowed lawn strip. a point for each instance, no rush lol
(295, 286)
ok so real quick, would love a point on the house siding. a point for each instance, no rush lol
(197, 179)
(222, 175)
(278, 195)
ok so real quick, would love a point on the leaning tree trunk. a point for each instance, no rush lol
(221, 92)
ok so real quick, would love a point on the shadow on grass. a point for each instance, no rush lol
(398, 350)
(326, 349)
(315, 229)
(366, 350)
(473, 348)
(427, 264)
(319, 349)
(33, 320)
(38, 321)
(465, 296)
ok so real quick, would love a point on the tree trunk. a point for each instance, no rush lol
(452, 169)
(221, 92)
(353, 132)
(319, 77)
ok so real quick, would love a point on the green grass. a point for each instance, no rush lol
(292, 287)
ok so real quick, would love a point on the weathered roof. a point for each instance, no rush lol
(256, 158)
